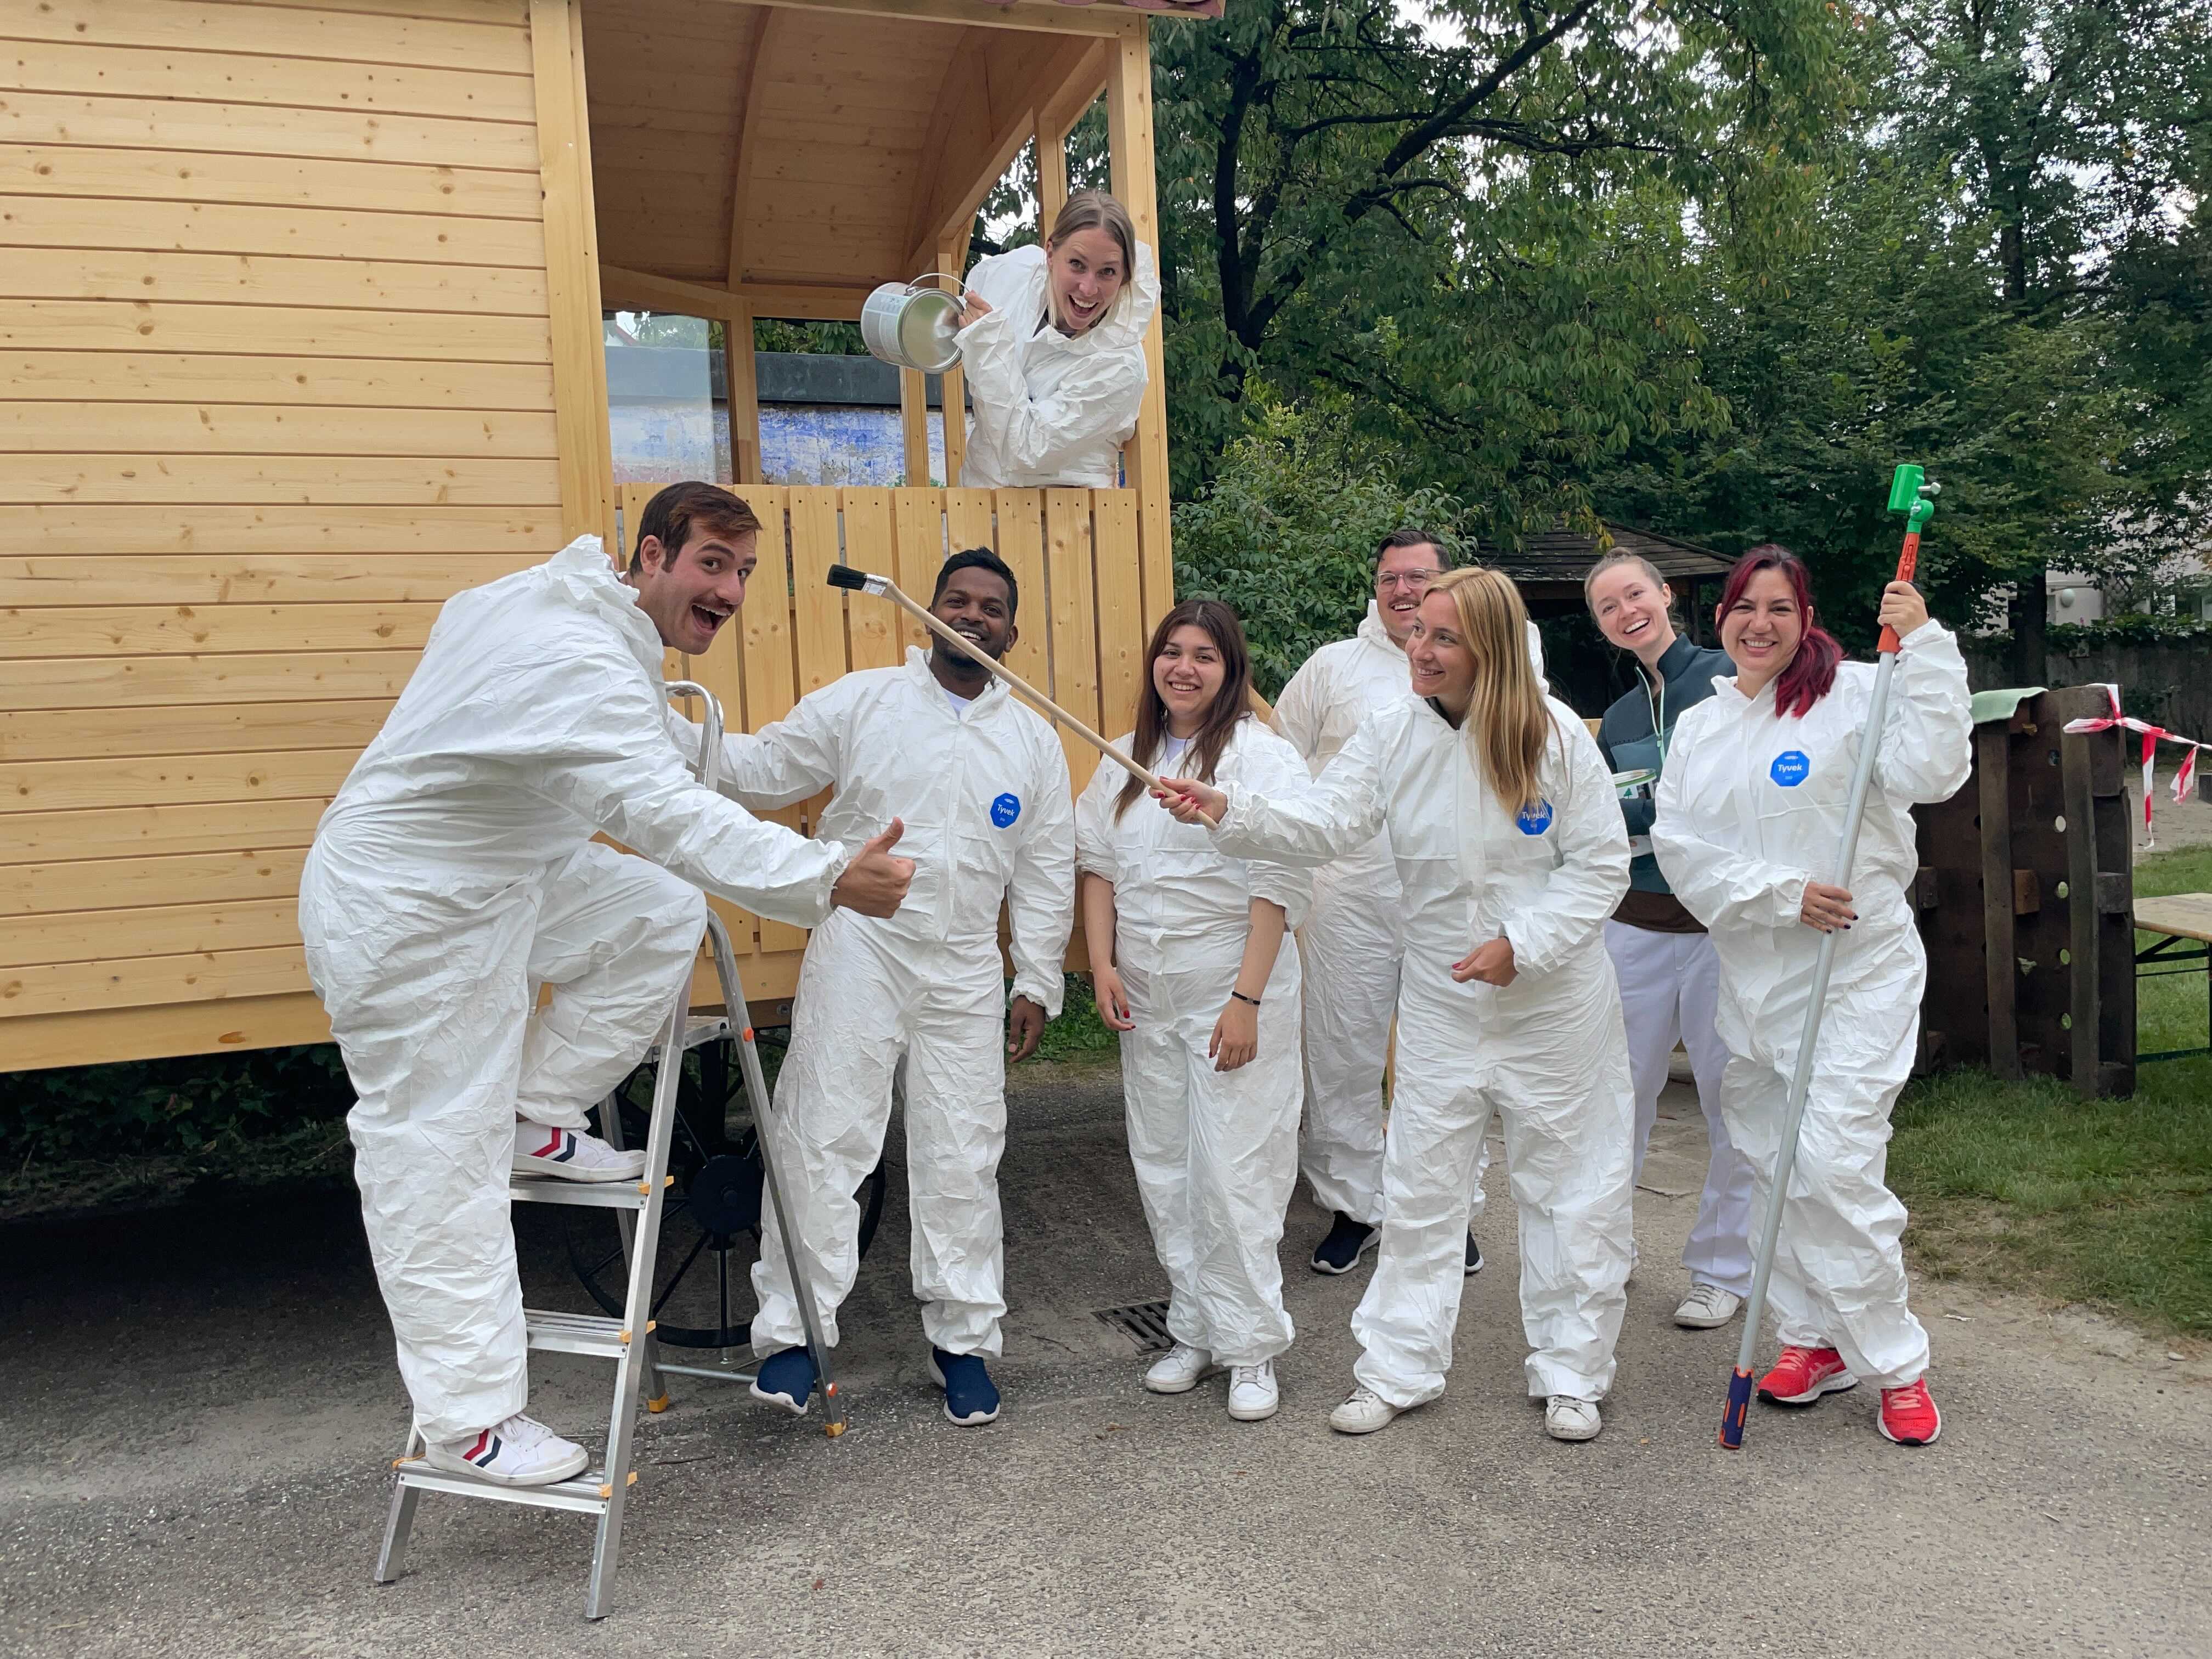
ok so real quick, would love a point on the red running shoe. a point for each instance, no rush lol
(1802, 1375)
(1909, 1417)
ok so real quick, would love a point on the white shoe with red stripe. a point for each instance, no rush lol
(571, 1155)
(519, 1452)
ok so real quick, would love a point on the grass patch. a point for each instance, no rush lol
(1078, 1035)
(2035, 1188)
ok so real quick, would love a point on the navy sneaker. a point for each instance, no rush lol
(1347, 1241)
(1473, 1256)
(970, 1396)
(787, 1379)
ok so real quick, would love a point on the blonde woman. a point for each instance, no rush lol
(1053, 345)
(1512, 853)
(1194, 965)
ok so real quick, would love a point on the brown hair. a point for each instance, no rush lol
(1220, 624)
(1618, 556)
(671, 516)
(1414, 536)
(1508, 724)
(1094, 210)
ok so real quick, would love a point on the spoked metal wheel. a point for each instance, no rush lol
(711, 1225)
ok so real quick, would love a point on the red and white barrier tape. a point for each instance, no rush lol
(2183, 779)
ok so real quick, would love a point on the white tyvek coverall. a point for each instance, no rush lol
(1050, 409)
(1546, 1053)
(455, 874)
(1216, 1153)
(1354, 936)
(1750, 807)
(984, 795)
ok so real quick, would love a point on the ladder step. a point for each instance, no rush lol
(587, 1494)
(698, 1030)
(575, 1332)
(590, 1195)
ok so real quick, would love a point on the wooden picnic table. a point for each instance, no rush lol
(2182, 918)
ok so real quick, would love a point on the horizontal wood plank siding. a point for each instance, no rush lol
(276, 379)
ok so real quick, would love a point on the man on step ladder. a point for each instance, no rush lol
(455, 876)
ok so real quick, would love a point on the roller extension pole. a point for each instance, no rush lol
(862, 581)
(1907, 494)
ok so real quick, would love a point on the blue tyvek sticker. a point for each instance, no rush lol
(1535, 820)
(1006, 810)
(1791, 768)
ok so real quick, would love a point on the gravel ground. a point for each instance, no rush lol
(200, 1405)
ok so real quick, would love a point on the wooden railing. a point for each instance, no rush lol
(1084, 616)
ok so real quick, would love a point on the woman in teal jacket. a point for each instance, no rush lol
(1669, 976)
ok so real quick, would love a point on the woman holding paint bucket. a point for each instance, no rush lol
(1193, 964)
(1662, 954)
(1052, 342)
(1752, 801)
(1510, 850)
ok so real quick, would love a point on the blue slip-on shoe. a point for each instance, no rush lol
(786, 1380)
(1473, 1256)
(1347, 1241)
(970, 1396)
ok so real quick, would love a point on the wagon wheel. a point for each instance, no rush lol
(710, 1224)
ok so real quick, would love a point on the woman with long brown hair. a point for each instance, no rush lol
(1194, 965)
(1511, 853)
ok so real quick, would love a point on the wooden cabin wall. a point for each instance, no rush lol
(276, 378)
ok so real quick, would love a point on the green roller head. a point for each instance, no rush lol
(1905, 488)
(1910, 495)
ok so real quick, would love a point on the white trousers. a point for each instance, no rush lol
(866, 998)
(1215, 1153)
(434, 1007)
(1839, 1279)
(1670, 985)
(1554, 1068)
(1353, 949)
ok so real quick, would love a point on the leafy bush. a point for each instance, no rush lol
(2135, 628)
(1287, 536)
(165, 1107)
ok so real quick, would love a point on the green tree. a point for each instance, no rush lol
(1470, 230)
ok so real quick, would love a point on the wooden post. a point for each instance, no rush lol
(2000, 972)
(1145, 457)
(914, 424)
(745, 394)
(571, 272)
(953, 257)
(1052, 175)
(2080, 812)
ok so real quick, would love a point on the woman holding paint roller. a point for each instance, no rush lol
(1194, 965)
(1052, 339)
(1752, 802)
(1510, 849)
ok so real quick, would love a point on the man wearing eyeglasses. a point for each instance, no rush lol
(1351, 943)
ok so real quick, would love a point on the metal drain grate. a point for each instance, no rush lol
(1145, 1323)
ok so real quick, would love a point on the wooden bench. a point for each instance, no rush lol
(2183, 918)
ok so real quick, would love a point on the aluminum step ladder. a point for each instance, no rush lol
(628, 1341)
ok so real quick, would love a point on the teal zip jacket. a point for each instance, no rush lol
(1636, 729)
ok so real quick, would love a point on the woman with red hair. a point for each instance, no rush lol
(1750, 813)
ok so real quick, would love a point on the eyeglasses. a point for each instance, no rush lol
(1406, 578)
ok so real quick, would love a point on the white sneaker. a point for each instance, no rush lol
(1707, 1307)
(1180, 1370)
(571, 1155)
(1364, 1411)
(1566, 1417)
(1253, 1397)
(519, 1452)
